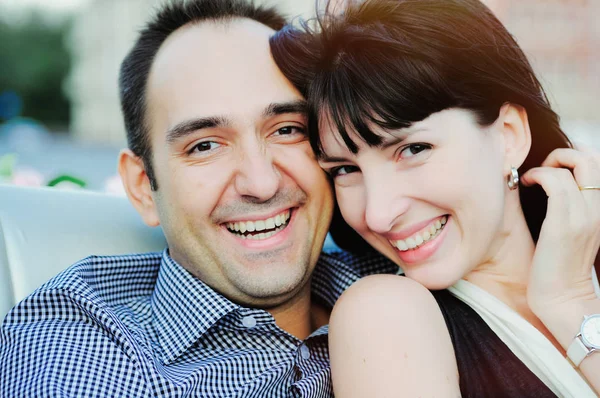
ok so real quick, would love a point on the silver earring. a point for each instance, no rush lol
(513, 179)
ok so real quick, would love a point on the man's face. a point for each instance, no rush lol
(241, 199)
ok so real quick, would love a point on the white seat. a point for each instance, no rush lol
(45, 230)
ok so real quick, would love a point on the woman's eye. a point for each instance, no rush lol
(205, 146)
(413, 150)
(342, 170)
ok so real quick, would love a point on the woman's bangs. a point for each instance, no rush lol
(367, 91)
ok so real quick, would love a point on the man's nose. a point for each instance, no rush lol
(258, 176)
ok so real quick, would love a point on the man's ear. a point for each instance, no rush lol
(514, 127)
(137, 186)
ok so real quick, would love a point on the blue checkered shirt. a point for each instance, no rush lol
(142, 326)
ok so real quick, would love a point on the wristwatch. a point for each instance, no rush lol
(587, 340)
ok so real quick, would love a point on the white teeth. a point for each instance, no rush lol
(418, 240)
(270, 223)
(401, 245)
(262, 235)
(421, 237)
(260, 225)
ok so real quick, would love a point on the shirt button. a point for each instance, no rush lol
(304, 351)
(249, 321)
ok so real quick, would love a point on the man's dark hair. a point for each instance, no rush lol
(392, 63)
(135, 68)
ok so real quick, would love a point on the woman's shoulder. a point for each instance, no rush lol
(387, 290)
(386, 331)
(390, 301)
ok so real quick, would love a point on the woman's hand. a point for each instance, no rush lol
(570, 236)
(560, 290)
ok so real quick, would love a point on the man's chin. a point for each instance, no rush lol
(266, 291)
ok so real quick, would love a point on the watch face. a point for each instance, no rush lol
(590, 331)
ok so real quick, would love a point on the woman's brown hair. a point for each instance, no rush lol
(392, 63)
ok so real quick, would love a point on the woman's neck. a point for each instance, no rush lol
(506, 274)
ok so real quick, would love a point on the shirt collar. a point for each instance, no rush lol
(184, 308)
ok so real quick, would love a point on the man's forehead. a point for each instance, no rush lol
(215, 69)
(209, 43)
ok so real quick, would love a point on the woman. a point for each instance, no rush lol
(427, 116)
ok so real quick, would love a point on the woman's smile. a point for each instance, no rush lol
(424, 244)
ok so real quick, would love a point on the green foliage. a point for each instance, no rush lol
(7, 165)
(34, 62)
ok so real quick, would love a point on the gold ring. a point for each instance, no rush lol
(589, 187)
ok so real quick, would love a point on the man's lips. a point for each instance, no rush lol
(259, 228)
(266, 239)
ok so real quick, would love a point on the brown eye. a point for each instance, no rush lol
(288, 130)
(342, 170)
(205, 146)
(413, 150)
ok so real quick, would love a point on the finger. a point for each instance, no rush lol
(556, 182)
(563, 157)
(564, 197)
(552, 179)
(567, 210)
(585, 165)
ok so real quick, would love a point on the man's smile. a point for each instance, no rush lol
(260, 229)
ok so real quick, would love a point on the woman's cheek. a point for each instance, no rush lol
(352, 206)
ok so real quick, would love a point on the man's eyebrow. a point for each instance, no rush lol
(280, 108)
(187, 127)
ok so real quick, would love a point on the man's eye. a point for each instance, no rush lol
(287, 130)
(342, 170)
(205, 146)
(413, 150)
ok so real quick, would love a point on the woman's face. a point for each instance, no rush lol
(430, 198)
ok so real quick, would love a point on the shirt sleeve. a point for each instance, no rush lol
(56, 343)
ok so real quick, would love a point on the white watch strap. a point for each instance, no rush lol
(577, 351)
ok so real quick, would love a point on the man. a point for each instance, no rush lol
(219, 159)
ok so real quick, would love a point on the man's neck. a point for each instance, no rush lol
(300, 316)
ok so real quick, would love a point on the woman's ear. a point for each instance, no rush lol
(514, 127)
(137, 186)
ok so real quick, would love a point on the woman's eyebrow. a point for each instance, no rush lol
(323, 157)
(398, 136)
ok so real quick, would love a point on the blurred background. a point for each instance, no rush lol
(60, 121)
